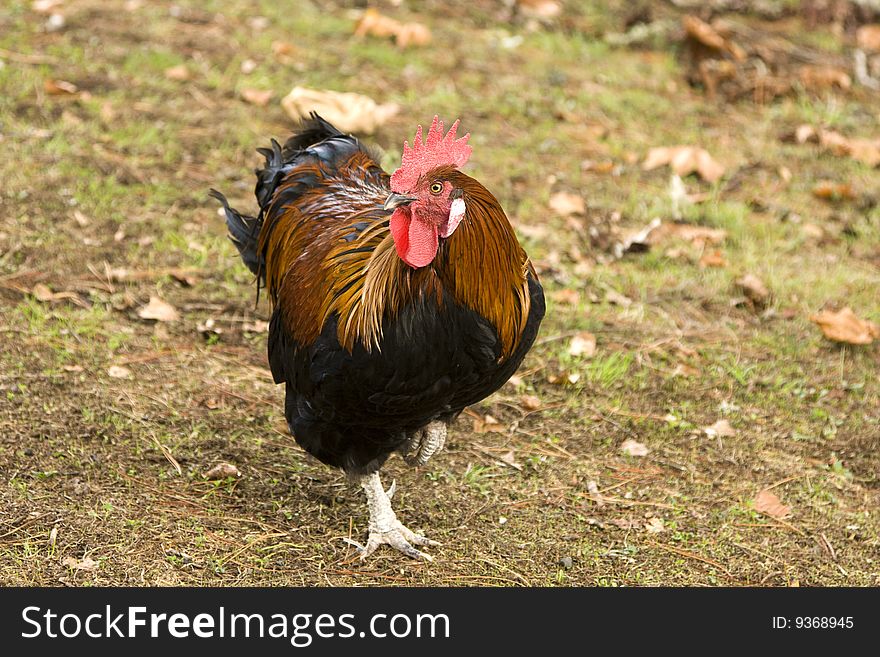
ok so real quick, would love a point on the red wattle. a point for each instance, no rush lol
(415, 240)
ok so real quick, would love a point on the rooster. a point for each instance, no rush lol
(397, 300)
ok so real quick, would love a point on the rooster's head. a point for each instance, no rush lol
(427, 205)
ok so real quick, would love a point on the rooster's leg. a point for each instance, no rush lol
(385, 528)
(424, 443)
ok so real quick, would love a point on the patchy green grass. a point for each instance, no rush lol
(115, 178)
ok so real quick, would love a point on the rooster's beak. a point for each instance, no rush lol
(396, 200)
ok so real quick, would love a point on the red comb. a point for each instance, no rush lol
(437, 150)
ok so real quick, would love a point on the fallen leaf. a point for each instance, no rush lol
(700, 236)
(605, 166)
(567, 297)
(257, 97)
(868, 37)
(754, 289)
(804, 133)
(530, 402)
(831, 191)
(180, 73)
(222, 471)
(373, 23)
(540, 9)
(721, 429)
(633, 448)
(655, 526)
(42, 293)
(565, 204)
(707, 35)
(712, 258)
(46, 6)
(487, 424)
(59, 87)
(767, 502)
(118, 372)
(412, 34)
(821, 78)
(509, 458)
(582, 345)
(158, 310)
(257, 326)
(616, 298)
(349, 112)
(845, 326)
(866, 151)
(685, 160)
(85, 564)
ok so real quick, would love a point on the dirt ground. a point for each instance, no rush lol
(110, 421)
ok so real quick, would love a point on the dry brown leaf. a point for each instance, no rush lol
(754, 289)
(768, 503)
(567, 297)
(845, 326)
(832, 191)
(509, 458)
(721, 428)
(565, 204)
(700, 236)
(655, 526)
(605, 166)
(86, 563)
(633, 448)
(868, 37)
(159, 310)
(487, 424)
(685, 160)
(413, 34)
(866, 151)
(530, 402)
(813, 232)
(376, 24)
(821, 78)
(349, 112)
(222, 471)
(373, 23)
(713, 258)
(180, 73)
(284, 51)
(540, 9)
(118, 372)
(59, 87)
(707, 35)
(257, 326)
(259, 97)
(46, 6)
(804, 133)
(582, 345)
(42, 293)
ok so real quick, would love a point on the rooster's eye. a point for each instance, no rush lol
(436, 188)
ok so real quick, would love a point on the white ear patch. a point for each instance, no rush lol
(456, 214)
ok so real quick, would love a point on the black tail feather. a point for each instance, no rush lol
(244, 232)
(311, 131)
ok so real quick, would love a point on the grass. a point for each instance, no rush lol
(120, 175)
